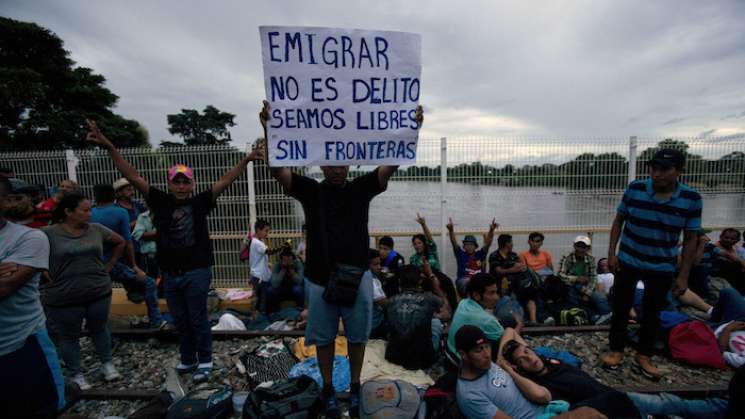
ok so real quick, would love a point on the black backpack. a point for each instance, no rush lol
(203, 403)
(296, 398)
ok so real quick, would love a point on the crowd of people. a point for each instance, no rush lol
(59, 257)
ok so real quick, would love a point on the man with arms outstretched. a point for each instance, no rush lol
(336, 214)
(183, 247)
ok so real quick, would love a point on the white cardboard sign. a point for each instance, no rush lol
(341, 96)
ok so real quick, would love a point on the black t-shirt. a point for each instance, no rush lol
(183, 238)
(410, 329)
(497, 260)
(345, 215)
(571, 384)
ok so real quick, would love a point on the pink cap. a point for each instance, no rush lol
(180, 169)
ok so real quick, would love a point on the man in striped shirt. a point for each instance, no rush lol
(652, 213)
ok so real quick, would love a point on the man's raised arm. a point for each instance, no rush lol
(231, 175)
(128, 171)
(283, 175)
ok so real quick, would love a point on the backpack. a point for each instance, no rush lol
(246, 252)
(565, 357)
(573, 317)
(694, 342)
(203, 403)
(295, 398)
(440, 399)
(389, 399)
(156, 408)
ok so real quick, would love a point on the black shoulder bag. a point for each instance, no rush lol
(344, 279)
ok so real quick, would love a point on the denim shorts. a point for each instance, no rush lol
(323, 318)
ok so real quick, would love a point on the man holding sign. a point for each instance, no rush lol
(339, 97)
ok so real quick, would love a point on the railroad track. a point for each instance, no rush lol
(688, 391)
(231, 334)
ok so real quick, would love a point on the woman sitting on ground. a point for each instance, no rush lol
(424, 247)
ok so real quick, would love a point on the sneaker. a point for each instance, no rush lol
(612, 360)
(81, 382)
(331, 407)
(159, 326)
(109, 372)
(185, 369)
(604, 319)
(354, 405)
(550, 321)
(201, 375)
(647, 368)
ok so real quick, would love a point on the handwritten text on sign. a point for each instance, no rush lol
(341, 97)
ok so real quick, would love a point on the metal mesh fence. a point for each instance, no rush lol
(563, 187)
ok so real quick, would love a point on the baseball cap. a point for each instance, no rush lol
(469, 337)
(120, 183)
(582, 239)
(180, 169)
(470, 239)
(668, 157)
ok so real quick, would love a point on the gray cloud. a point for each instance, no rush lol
(493, 68)
(674, 121)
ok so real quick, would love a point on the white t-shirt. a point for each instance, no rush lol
(378, 293)
(607, 281)
(259, 260)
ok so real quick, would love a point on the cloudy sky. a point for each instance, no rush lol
(490, 68)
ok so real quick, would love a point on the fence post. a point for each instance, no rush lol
(72, 164)
(251, 192)
(632, 158)
(443, 200)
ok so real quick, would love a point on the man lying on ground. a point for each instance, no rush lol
(570, 383)
(489, 391)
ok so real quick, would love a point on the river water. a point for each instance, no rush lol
(473, 206)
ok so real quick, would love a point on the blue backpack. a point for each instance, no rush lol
(563, 356)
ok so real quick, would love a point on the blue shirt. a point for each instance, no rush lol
(492, 392)
(116, 219)
(652, 227)
(469, 265)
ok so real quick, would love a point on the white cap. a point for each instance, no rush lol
(120, 184)
(582, 239)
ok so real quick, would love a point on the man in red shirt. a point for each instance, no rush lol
(45, 208)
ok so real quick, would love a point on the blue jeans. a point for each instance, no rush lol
(597, 305)
(504, 310)
(273, 296)
(729, 307)
(186, 295)
(126, 276)
(66, 323)
(670, 404)
(437, 328)
(32, 384)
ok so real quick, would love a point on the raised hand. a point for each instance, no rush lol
(258, 153)
(450, 224)
(94, 134)
(420, 219)
(419, 115)
(494, 225)
(264, 114)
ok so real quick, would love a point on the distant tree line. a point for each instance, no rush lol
(588, 171)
